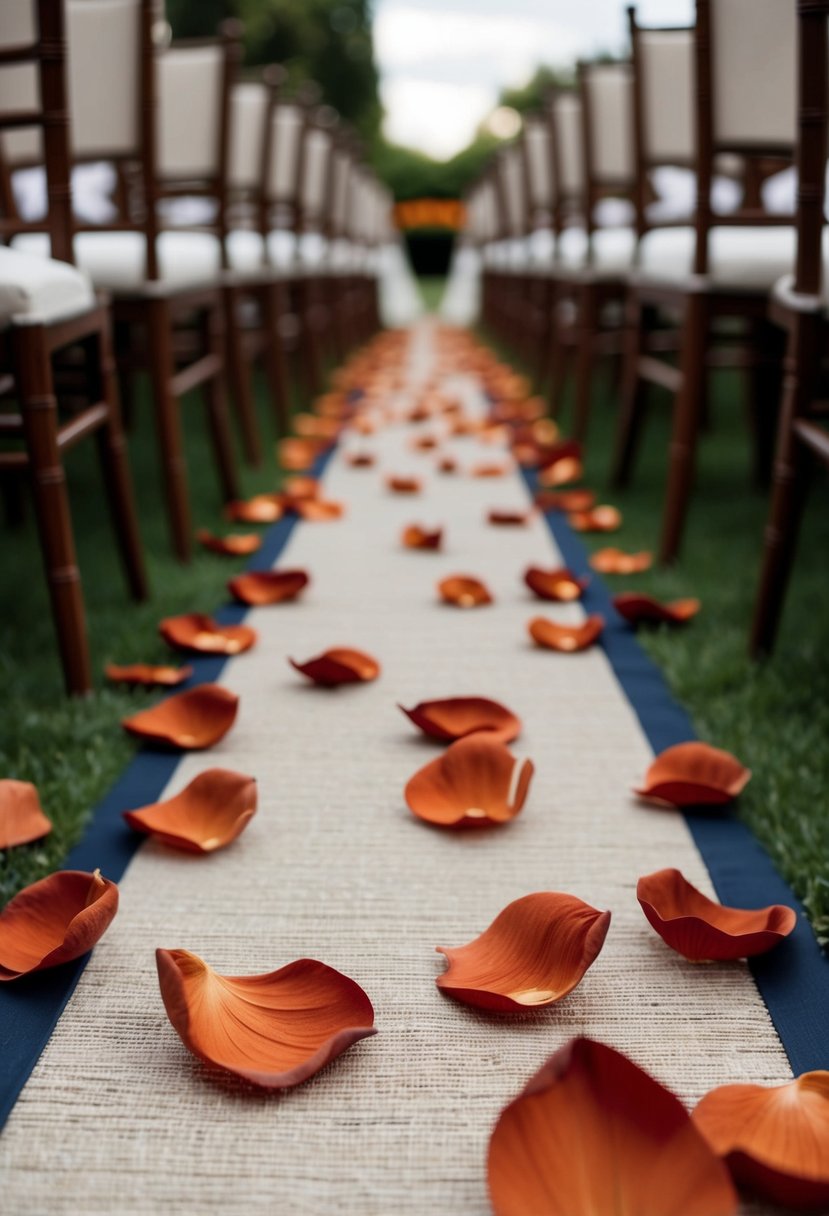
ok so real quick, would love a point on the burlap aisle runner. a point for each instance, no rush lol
(119, 1117)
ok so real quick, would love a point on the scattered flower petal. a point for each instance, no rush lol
(199, 633)
(597, 519)
(21, 816)
(424, 443)
(275, 1030)
(240, 545)
(298, 454)
(339, 666)
(299, 489)
(488, 469)
(208, 814)
(144, 673)
(694, 774)
(645, 610)
(592, 1134)
(261, 509)
(403, 485)
(416, 537)
(447, 464)
(774, 1140)
(464, 591)
(268, 586)
(475, 783)
(456, 717)
(505, 518)
(534, 952)
(561, 472)
(555, 636)
(361, 460)
(191, 720)
(565, 500)
(616, 561)
(317, 510)
(702, 930)
(54, 921)
(560, 584)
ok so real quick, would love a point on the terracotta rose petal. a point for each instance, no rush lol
(318, 510)
(54, 921)
(597, 519)
(645, 610)
(464, 591)
(361, 460)
(298, 454)
(268, 586)
(404, 485)
(190, 720)
(475, 783)
(487, 469)
(701, 929)
(447, 464)
(592, 1134)
(560, 584)
(534, 952)
(21, 815)
(565, 500)
(569, 638)
(208, 814)
(339, 666)
(505, 518)
(144, 673)
(775, 1141)
(240, 545)
(561, 472)
(299, 489)
(275, 1030)
(616, 561)
(694, 774)
(196, 632)
(261, 509)
(416, 537)
(455, 717)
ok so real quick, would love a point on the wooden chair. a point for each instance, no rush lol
(47, 310)
(799, 305)
(722, 266)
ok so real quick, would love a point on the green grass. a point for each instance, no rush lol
(775, 717)
(431, 289)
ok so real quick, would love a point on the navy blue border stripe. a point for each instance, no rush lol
(30, 1007)
(794, 978)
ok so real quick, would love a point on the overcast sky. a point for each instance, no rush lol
(443, 62)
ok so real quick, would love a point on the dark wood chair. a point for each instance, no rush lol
(721, 267)
(799, 305)
(48, 311)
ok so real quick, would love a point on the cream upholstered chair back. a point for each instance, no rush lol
(511, 169)
(340, 171)
(19, 85)
(286, 125)
(539, 164)
(664, 65)
(247, 124)
(568, 150)
(189, 113)
(315, 166)
(753, 75)
(607, 98)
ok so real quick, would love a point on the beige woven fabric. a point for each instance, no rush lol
(118, 1117)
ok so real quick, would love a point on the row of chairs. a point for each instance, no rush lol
(243, 225)
(669, 210)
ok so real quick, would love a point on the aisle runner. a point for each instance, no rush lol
(119, 1117)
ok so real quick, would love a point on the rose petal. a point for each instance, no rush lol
(534, 952)
(361, 460)
(694, 774)
(560, 584)
(318, 511)
(143, 673)
(191, 720)
(339, 666)
(464, 591)
(268, 586)
(775, 1140)
(475, 783)
(561, 472)
(447, 464)
(200, 634)
(488, 469)
(261, 509)
(54, 921)
(299, 489)
(592, 1134)
(275, 1030)
(403, 485)
(645, 610)
(298, 454)
(554, 636)
(616, 561)
(455, 717)
(207, 815)
(565, 500)
(505, 518)
(240, 545)
(416, 537)
(597, 519)
(21, 816)
(700, 929)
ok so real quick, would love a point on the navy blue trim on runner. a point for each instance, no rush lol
(30, 1007)
(793, 979)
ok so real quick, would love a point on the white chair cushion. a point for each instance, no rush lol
(40, 290)
(246, 252)
(609, 253)
(312, 251)
(783, 289)
(115, 261)
(739, 259)
(571, 248)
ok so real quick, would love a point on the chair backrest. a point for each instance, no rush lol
(538, 166)
(510, 166)
(567, 132)
(247, 121)
(606, 94)
(34, 111)
(812, 144)
(341, 162)
(286, 123)
(315, 166)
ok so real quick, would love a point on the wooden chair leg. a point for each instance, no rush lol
(588, 328)
(634, 393)
(789, 486)
(215, 396)
(559, 355)
(238, 374)
(168, 426)
(687, 410)
(274, 307)
(112, 453)
(39, 412)
(765, 377)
